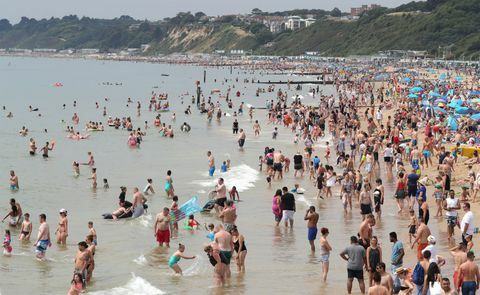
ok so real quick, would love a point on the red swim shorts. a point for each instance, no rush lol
(420, 248)
(163, 236)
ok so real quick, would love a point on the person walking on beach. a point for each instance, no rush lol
(241, 138)
(169, 185)
(355, 256)
(396, 259)
(211, 163)
(470, 273)
(423, 232)
(325, 250)
(287, 204)
(312, 220)
(163, 228)
(466, 225)
(451, 205)
(14, 181)
(43, 238)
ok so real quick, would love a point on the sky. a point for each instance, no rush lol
(13, 10)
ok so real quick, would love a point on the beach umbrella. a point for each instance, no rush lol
(464, 111)
(440, 101)
(407, 79)
(452, 123)
(475, 117)
(475, 93)
(440, 110)
(434, 94)
(442, 76)
(458, 78)
(455, 103)
(412, 96)
(416, 89)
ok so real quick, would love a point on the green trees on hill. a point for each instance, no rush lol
(425, 25)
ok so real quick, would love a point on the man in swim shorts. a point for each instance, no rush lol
(225, 243)
(471, 275)
(241, 138)
(13, 181)
(228, 215)
(312, 220)
(43, 238)
(138, 200)
(221, 196)
(163, 227)
(211, 163)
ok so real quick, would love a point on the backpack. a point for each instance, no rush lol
(418, 275)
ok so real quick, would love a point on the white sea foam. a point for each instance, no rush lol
(197, 267)
(145, 220)
(242, 176)
(301, 198)
(201, 191)
(136, 286)
(141, 260)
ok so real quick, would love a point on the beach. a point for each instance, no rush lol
(128, 259)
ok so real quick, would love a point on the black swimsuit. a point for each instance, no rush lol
(236, 246)
(213, 261)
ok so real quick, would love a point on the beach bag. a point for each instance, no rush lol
(418, 275)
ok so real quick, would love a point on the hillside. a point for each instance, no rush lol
(425, 25)
(413, 26)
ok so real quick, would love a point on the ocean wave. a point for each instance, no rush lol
(141, 260)
(136, 286)
(145, 220)
(243, 177)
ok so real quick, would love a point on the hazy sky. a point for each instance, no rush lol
(158, 9)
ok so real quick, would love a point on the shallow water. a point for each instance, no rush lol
(128, 260)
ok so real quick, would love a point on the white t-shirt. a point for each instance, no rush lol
(433, 251)
(452, 203)
(467, 218)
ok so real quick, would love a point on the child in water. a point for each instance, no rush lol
(412, 227)
(76, 285)
(224, 168)
(233, 192)
(211, 231)
(76, 169)
(105, 183)
(175, 258)
(173, 209)
(275, 133)
(192, 222)
(260, 162)
(7, 240)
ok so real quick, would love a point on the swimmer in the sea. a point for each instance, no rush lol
(26, 230)
(46, 148)
(175, 258)
(32, 148)
(94, 178)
